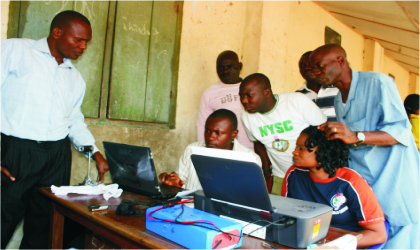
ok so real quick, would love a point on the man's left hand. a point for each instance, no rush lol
(102, 165)
(339, 130)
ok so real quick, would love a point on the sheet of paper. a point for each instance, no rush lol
(186, 192)
(225, 154)
(346, 242)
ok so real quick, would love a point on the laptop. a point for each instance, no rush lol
(238, 182)
(133, 169)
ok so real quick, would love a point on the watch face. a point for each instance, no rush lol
(361, 136)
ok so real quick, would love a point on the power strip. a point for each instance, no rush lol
(194, 237)
(261, 233)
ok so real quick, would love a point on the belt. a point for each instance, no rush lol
(34, 141)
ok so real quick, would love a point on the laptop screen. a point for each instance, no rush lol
(132, 168)
(233, 181)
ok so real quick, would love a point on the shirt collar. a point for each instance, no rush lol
(235, 145)
(42, 46)
(353, 85)
(276, 96)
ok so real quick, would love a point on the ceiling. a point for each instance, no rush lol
(393, 24)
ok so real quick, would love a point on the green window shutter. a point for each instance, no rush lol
(91, 63)
(162, 62)
(129, 60)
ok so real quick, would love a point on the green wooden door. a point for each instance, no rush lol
(144, 61)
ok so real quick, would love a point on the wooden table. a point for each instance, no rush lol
(127, 232)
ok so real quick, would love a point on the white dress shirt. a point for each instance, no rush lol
(40, 100)
(186, 170)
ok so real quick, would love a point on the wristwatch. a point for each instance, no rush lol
(361, 137)
(267, 171)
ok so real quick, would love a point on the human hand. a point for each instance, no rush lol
(171, 179)
(339, 130)
(7, 173)
(102, 165)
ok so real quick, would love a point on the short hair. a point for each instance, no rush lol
(225, 113)
(306, 53)
(331, 154)
(64, 18)
(412, 102)
(262, 80)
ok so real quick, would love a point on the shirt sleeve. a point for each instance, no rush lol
(394, 119)
(284, 190)
(203, 112)
(362, 201)
(245, 122)
(6, 50)
(79, 134)
(258, 159)
(184, 165)
(312, 114)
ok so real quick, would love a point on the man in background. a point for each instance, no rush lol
(323, 96)
(224, 95)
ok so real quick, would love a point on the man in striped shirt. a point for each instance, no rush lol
(322, 96)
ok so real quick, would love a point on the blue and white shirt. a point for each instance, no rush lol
(374, 104)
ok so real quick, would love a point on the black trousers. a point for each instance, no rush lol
(33, 164)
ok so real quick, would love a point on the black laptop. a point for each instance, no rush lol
(233, 181)
(133, 169)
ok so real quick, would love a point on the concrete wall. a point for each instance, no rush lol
(269, 37)
(286, 34)
(413, 85)
(402, 76)
(4, 18)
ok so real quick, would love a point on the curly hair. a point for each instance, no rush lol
(330, 155)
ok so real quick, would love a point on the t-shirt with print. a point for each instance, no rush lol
(352, 199)
(222, 96)
(279, 128)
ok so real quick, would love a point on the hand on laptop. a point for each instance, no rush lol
(171, 179)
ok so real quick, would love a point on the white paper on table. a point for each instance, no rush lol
(346, 242)
(107, 191)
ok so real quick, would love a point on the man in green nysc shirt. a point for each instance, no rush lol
(274, 123)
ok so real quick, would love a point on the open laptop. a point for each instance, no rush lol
(133, 169)
(238, 182)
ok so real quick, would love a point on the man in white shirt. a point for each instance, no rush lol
(274, 123)
(41, 95)
(220, 132)
(323, 96)
(224, 95)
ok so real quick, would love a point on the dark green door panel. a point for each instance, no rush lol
(161, 62)
(129, 60)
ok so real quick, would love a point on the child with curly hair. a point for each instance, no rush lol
(319, 175)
